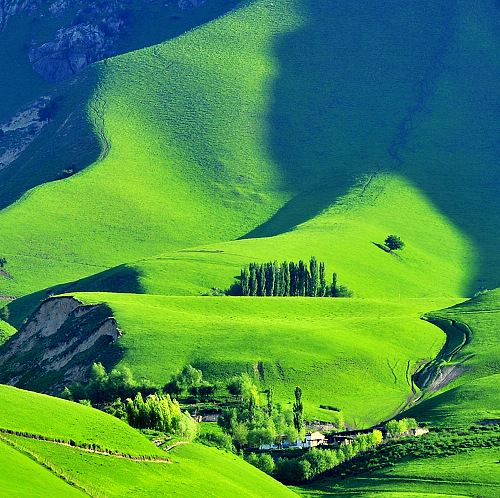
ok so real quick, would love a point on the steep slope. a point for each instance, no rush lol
(47, 41)
(16, 467)
(356, 355)
(214, 136)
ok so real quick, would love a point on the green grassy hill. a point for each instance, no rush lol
(239, 144)
(279, 131)
(15, 469)
(194, 470)
(356, 355)
(474, 474)
(38, 414)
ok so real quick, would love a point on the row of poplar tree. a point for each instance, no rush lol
(288, 279)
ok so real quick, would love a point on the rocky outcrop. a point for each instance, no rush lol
(17, 133)
(57, 345)
(90, 36)
(8, 8)
(73, 49)
(189, 4)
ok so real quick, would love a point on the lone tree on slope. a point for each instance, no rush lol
(393, 242)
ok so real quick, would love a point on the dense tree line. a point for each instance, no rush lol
(288, 279)
(103, 388)
(160, 413)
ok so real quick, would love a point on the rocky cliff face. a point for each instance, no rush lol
(89, 36)
(57, 345)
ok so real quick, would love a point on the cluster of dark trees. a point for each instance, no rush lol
(104, 388)
(3, 262)
(250, 423)
(107, 390)
(288, 279)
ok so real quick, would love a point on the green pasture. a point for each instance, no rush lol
(22, 477)
(33, 413)
(353, 354)
(474, 474)
(230, 131)
(6, 330)
(195, 471)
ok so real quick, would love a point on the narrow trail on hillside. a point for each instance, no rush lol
(98, 105)
(424, 90)
(96, 450)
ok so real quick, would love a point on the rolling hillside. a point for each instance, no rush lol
(277, 131)
(185, 470)
(475, 474)
(474, 369)
(207, 146)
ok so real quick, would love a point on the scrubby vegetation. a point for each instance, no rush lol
(443, 443)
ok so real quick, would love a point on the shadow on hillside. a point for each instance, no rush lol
(359, 92)
(120, 279)
(66, 144)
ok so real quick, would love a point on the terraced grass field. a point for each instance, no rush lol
(21, 476)
(195, 471)
(53, 418)
(190, 468)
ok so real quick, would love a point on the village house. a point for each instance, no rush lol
(311, 439)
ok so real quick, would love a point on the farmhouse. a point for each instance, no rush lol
(311, 439)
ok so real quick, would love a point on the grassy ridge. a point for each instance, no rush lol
(196, 471)
(473, 474)
(220, 164)
(153, 24)
(25, 411)
(341, 352)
